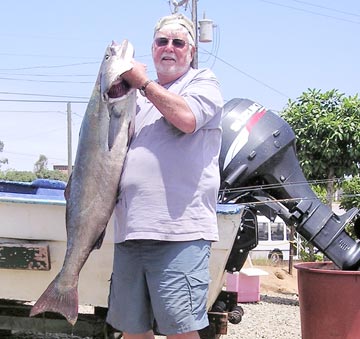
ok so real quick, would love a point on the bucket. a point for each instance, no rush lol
(329, 301)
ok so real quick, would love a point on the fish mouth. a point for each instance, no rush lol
(118, 89)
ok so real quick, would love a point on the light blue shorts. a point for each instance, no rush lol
(161, 285)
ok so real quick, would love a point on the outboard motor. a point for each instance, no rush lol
(258, 164)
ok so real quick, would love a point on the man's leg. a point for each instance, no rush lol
(129, 303)
(177, 275)
(189, 335)
(147, 335)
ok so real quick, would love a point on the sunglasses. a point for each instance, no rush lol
(177, 43)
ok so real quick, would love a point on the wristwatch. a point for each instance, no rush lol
(142, 89)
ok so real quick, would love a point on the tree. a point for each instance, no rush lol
(41, 164)
(351, 193)
(327, 131)
(2, 161)
(351, 198)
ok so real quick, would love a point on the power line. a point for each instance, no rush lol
(311, 12)
(45, 132)
(48, 75)
(327, 8)
(48, 81)
(45, 101)
(30, 111)
(63, 65)
(40, 112)
(51, 66)
(27, 155)
(248, 75)
(265, 187)
(44, 95)
(47, 56)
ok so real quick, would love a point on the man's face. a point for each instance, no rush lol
(172, 53)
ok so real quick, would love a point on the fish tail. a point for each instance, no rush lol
(54, 300)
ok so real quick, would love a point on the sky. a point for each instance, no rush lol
(266, 51)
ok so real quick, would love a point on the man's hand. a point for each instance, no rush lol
(136, 77)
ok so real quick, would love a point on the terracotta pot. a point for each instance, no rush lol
(329, 301)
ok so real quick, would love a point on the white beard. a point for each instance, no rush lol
(174, 69)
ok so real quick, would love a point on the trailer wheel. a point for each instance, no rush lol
(5, 333)
(236, 314)
(209, 332)
(111, 333)
(275, 257)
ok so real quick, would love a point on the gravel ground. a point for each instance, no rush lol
(275, 316)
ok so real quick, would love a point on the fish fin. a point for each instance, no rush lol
(67, 189)
(126, 53)
(53, 300)
(115, 122)
(114, 128)
(127, 50)
(99, 241)
(131, 131)
(124, 47)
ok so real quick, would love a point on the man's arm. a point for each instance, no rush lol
(172, 106)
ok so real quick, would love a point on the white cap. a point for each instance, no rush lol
(176, 19)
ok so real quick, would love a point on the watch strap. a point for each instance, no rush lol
(142, 89)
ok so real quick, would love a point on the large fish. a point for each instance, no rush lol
(93, 186)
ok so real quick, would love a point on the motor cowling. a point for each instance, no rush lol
(258, 164)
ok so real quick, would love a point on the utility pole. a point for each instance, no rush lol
(176, 5)
(69, 138)
(195, 22)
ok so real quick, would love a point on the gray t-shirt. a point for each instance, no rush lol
(170, 179)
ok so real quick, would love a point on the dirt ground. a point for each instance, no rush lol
(278, 279)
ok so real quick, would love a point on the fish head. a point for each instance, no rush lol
(117, 60)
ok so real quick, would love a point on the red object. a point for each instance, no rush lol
(329, 301)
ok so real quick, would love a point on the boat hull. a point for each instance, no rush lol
(40, 221)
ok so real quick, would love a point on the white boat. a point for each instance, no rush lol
(33, 244)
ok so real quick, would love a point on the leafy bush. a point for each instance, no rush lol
(308, 254)
(351, 193)
(28, 176)
(56, 175)
(10, 175)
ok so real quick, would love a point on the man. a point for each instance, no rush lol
(165, 219)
